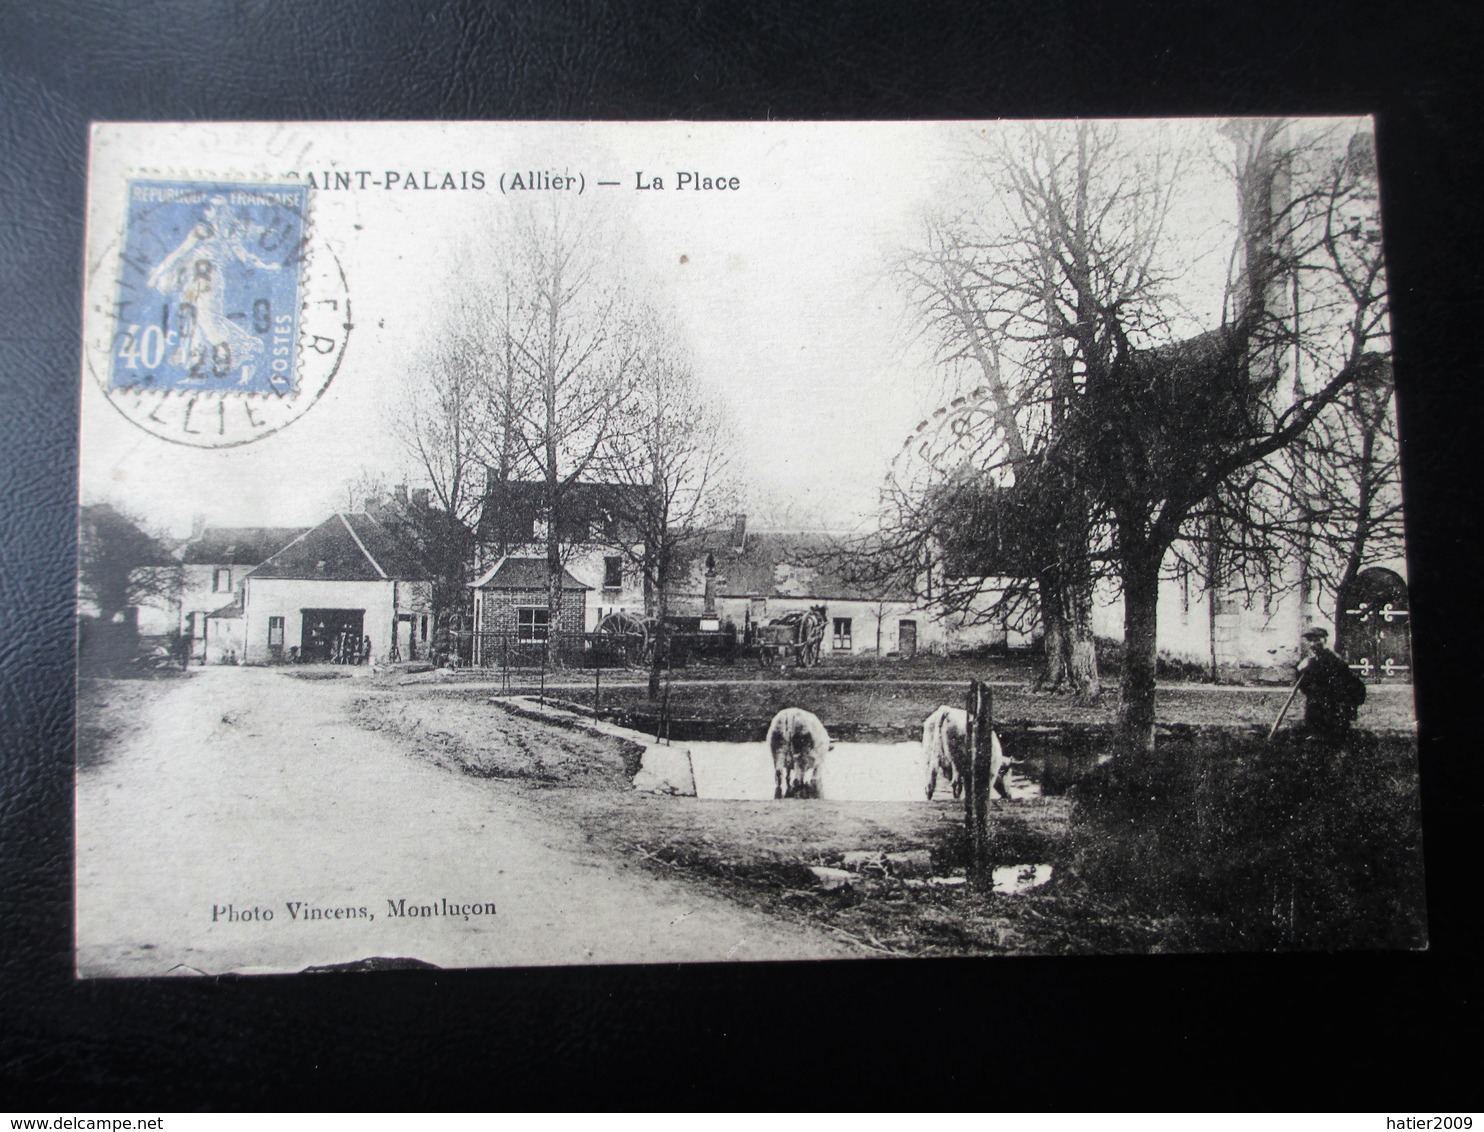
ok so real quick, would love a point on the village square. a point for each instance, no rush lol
(1110, 654)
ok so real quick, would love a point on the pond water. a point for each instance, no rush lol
(852, 772)
(1011, 879)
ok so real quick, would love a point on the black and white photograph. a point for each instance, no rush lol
(591, 543)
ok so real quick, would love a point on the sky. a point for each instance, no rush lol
(780, 288)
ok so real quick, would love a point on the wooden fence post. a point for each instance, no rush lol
(971, 713)
(983, 778)
(545, 653)
(979, 778)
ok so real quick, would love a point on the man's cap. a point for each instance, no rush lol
(1317, 635)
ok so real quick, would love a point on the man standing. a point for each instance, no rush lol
(1332, 693)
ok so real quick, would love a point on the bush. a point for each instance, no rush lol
(1255, 845)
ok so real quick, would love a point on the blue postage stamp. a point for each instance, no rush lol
(210, 288)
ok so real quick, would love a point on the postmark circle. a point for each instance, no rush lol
(225, 320)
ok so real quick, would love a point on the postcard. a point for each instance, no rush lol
(544, 543)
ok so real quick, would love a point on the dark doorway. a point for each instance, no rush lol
(1372, 633)
(327, 631)
(907, 638)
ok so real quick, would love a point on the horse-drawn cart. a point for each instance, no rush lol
(627, 639)
(624, 640)
(800, 635)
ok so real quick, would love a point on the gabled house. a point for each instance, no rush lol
(214, 563)
(751, 578)
(331, 588)
(600, 536)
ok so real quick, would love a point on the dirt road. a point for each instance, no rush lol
(247, 793)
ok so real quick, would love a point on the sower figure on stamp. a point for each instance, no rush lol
(1332, 693)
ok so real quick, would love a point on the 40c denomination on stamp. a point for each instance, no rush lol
(228, 321)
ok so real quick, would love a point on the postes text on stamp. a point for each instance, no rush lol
(228, 322)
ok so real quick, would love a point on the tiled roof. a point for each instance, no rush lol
(523, 574)
(601, 512)
(237, 546)
(785, 564)
(344, 548)
(233, 608)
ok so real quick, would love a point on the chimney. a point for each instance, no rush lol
(739, 532)
(198, 526)
(401, 494)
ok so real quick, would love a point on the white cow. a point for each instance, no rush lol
(945, 751)
(798, 742)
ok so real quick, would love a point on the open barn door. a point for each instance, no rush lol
(328, 632)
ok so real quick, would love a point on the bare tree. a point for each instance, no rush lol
(448, 424)
(442, 423)
(672, 448)
(574, 348)
(995, 291)
(1101, 431)
(1354, 500)
(366, 487)
(1169, 428)
(1308, 279)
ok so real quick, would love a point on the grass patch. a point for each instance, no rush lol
(885, 710)
(1249, 845)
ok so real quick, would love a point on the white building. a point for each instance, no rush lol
(341, 584)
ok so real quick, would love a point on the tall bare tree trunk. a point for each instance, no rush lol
(1070, 540)
(1140, 649)
(661, 641)
(1081, 645)
(1053, 672)
(1065, 591)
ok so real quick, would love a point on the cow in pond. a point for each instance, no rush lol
(945, 751)
(798, 742)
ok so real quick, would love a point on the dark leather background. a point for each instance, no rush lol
(1210, 1032)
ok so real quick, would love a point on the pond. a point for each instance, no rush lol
(852, 772)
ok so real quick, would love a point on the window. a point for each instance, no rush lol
(612, 573)
(275, 632)
(841, 635)
(424, 627)
(531, 622)
(221, 580)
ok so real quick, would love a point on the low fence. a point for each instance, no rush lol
(511, 652)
